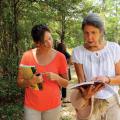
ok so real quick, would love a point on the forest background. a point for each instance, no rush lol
(64, 17)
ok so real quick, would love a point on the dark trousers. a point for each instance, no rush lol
(63, 92)
(69, 74)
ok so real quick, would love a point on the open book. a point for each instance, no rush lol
(87, 84)
(28, 73)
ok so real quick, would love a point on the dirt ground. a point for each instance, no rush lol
(68, 112)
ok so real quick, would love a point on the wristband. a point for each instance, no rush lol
(109, 80)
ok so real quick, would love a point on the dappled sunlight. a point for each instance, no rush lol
(67, 111)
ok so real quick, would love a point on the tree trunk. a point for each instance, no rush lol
(63, 27)
(15, 23)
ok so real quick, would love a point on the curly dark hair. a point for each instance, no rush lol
(38, 32)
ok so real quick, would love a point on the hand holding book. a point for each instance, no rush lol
(29, 74)
(88, 89)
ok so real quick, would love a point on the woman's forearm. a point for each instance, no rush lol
(62, 82)
(115, 80)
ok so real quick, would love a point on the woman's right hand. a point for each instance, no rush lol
(36, 79)
(25, 81)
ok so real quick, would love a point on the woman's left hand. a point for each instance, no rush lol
(52, 76)
(104, 79)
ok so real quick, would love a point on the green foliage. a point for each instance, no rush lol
(64, 19)
(11, 111)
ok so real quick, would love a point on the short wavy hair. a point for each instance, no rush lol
(94, 20)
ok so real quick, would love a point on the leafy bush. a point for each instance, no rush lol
(11, 111)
